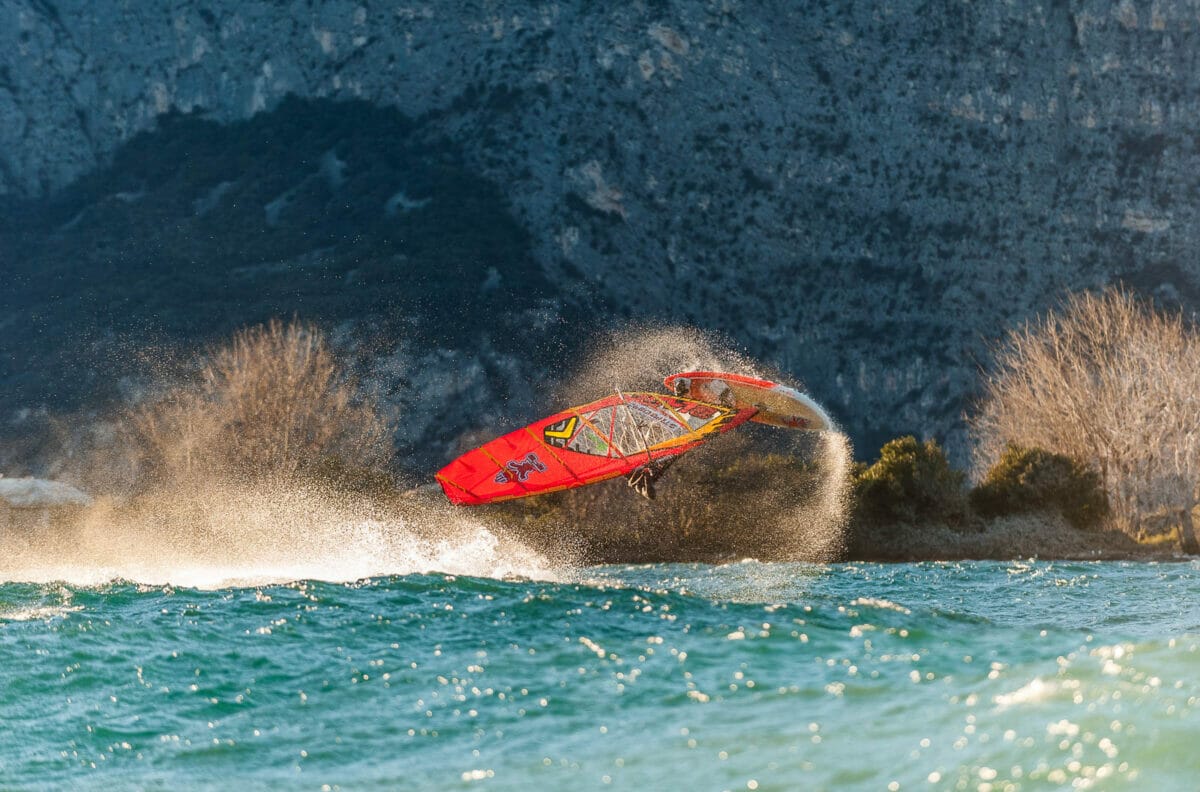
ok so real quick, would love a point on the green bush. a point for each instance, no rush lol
(1031, 479)
(911, 482)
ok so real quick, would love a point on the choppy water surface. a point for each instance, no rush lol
(981, 676)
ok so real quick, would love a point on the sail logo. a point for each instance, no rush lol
(559, 433)
(520, 469)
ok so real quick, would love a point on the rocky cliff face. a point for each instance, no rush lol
(865, 195)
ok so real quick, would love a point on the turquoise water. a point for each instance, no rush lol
(980, 676)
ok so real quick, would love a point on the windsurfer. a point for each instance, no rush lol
(717, 391)
(642, 477)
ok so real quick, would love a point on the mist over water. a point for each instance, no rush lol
(209, 529)
(220, 536)
(640, 358)
(807, 525)
(820, 517)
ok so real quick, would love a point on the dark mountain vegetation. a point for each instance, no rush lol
(332, 211)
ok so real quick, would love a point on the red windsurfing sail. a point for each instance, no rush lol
(583, 445)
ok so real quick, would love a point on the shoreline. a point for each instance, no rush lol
(1032, 536)
(1042, 536)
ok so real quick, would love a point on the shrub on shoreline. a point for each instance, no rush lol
(911, 482)
(1032, 479)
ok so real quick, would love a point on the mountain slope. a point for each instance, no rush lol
(865, 196)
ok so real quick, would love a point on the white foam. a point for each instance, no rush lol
(42, 613)
(1036, 690)
(216, 538)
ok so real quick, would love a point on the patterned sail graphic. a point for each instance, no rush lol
(583, 445)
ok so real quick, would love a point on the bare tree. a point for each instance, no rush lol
(1112, 382)
(271, 402)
